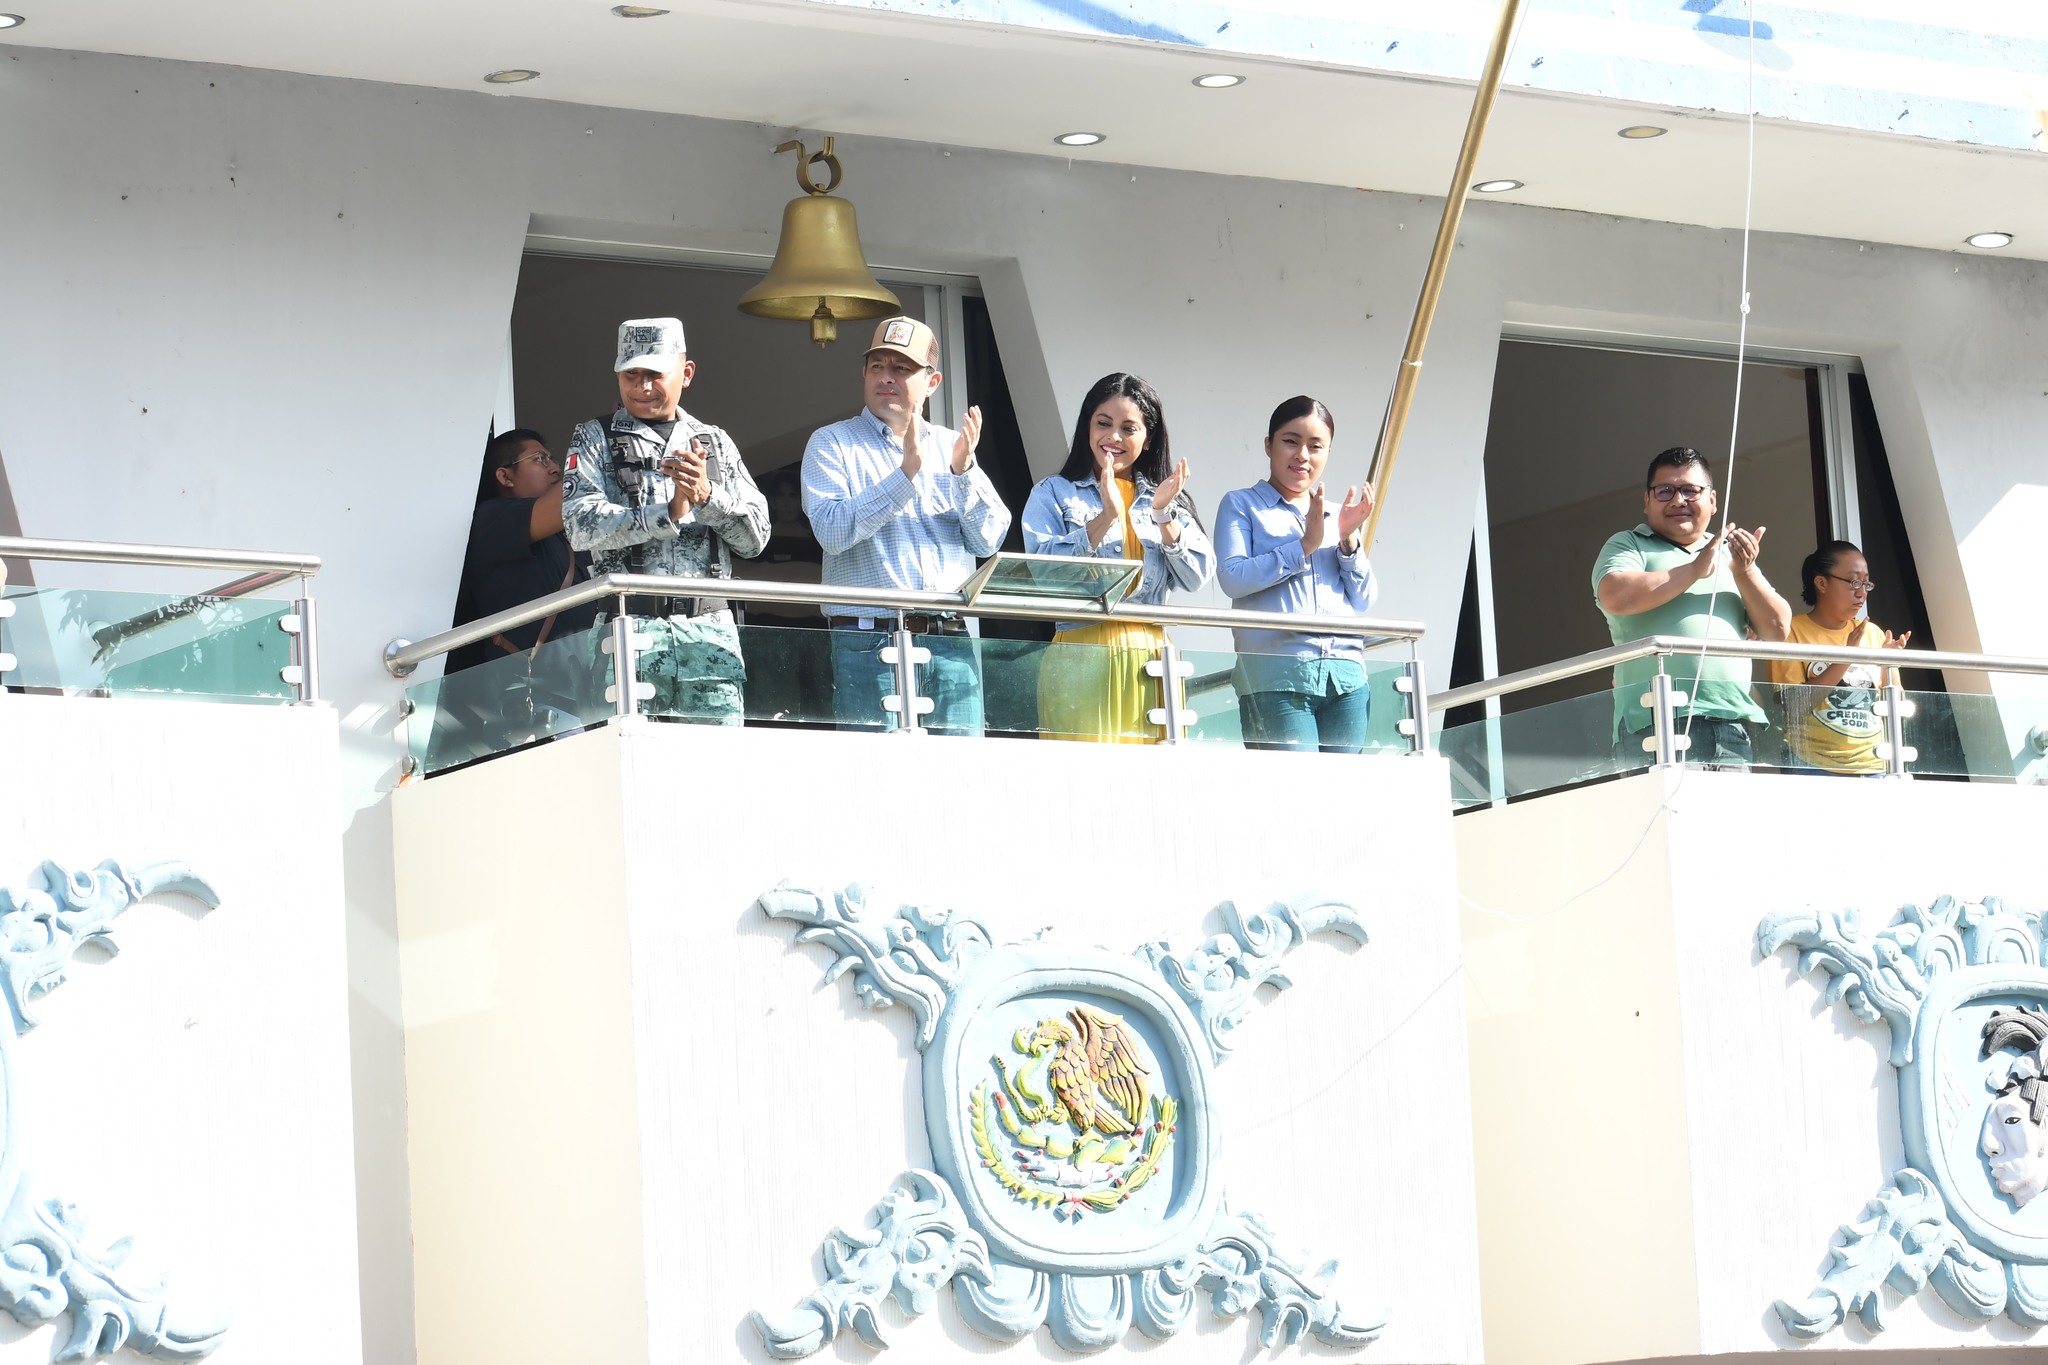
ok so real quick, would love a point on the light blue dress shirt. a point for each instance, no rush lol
(1056, 523)
(882, 530)
(1261, 568)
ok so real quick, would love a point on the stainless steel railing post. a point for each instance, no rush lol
(1664, 701)
(624, 647)
(1894, 710)
(303, 673)
(905, 654)
(1416, 725)
(1170, 716)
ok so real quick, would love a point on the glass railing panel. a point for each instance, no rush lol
(836, 679)
(1071, 691)
(509, 702)
(1244, 699)
(1813, 729)
(102, 643)
(1840, 730)
(789, 676)
(1009, 686)
(1965, 734)
(1543, 748)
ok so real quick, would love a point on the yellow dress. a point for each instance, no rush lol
(1102, 693)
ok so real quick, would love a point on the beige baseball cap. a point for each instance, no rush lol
(907, 337)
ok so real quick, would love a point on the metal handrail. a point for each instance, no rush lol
(401, 657)
(174, 556)
(1669, 645)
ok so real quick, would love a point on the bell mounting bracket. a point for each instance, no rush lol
(804, 164)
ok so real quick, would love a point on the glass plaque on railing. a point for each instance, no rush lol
(1051, 578)
(92, 642)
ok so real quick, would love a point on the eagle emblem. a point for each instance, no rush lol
(1070, 1107)
(1081, 1124)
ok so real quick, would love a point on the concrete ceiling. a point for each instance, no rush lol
(788, 63)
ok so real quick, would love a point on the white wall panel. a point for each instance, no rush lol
(772, 1108)
(1692, 1123)
(193, 1091)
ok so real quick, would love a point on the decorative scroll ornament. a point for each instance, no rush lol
(1067, 1101)
(51, 1266)
(1962, 990)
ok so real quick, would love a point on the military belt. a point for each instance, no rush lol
(686, 607)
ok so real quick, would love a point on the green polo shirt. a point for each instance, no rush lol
(1723, 685)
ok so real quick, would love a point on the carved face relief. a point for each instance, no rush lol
(2017, 1148)
(1963, 987)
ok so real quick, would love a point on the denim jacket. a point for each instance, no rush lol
(1056, 523)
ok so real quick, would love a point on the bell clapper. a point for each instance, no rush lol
(824, 327)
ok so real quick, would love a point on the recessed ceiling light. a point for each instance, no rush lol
(11, 21)
(1079, 139)
(1497, 186)
(1638, 131)
(1989, 240)
(511, 75)
(1218, 80)
(638, 11)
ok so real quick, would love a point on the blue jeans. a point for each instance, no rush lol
(1716, 743)
(860, 680)
(1333, 721)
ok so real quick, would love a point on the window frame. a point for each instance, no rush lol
(1837, 435)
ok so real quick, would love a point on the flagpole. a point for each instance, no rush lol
(1406, 377)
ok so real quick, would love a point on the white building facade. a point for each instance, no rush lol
(266, 277)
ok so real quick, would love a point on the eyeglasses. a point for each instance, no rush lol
(544, 456)
(1691, 492)
(1862, 585)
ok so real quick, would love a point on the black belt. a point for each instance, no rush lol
(916, 622)
(680, 607)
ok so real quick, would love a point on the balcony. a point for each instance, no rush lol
(1685, 1147)
(167, 799)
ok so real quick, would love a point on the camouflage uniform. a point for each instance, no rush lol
(692, 660)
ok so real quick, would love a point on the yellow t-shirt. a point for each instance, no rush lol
(1832, 727)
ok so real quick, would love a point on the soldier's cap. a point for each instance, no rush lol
(650, 344)
(907, 337)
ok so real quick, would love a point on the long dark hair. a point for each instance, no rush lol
(1155, 462)
(1821, 563)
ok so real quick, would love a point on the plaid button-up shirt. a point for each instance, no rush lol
(882, 530)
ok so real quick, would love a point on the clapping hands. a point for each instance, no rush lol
(689, 473)
(1351, 515)
(969, 438)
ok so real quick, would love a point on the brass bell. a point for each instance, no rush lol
(819, 271)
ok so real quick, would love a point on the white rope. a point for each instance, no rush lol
(1741, 350)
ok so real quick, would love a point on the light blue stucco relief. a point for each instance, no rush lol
(1961, 989)
(1068, 1104)
(52, 1265)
